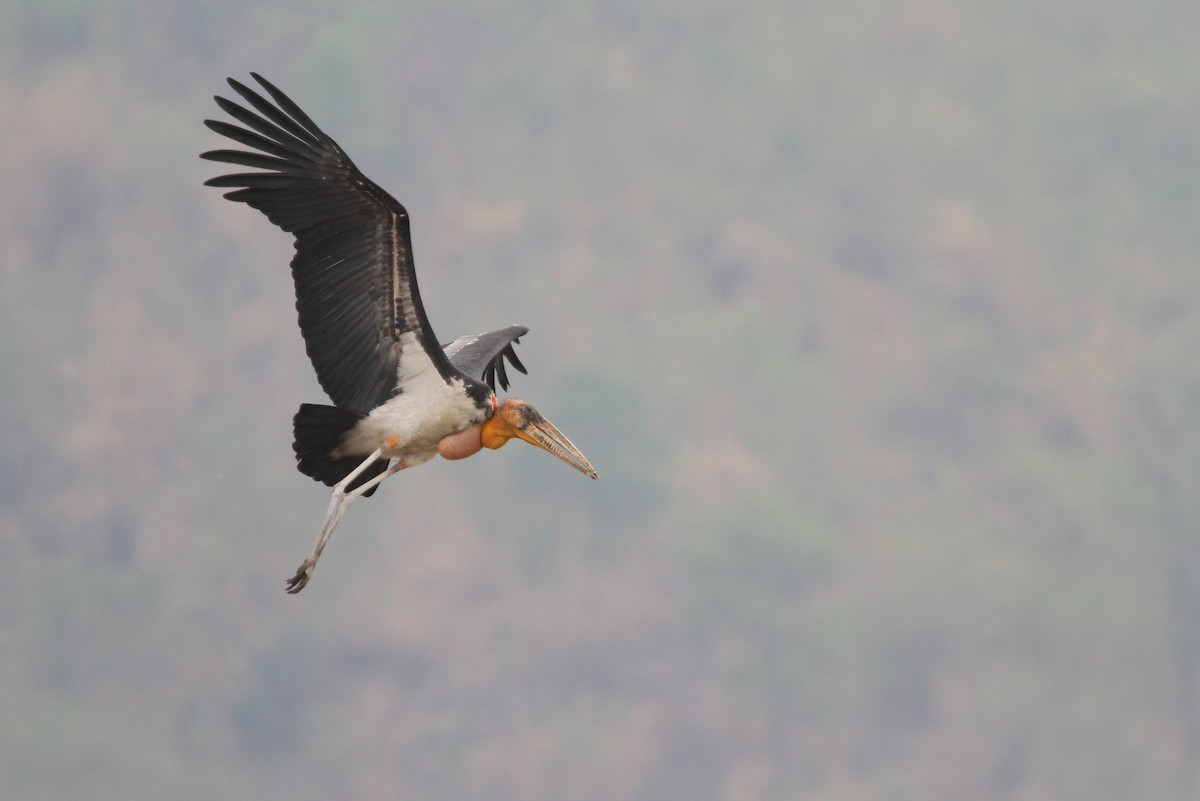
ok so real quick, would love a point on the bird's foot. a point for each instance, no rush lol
(300, 580)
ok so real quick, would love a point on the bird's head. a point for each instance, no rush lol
(516, 418)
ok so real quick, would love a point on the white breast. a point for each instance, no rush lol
(426, 409)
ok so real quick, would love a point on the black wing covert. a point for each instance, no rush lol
(356, 287)
(483, 355)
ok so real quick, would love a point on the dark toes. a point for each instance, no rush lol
(298, 581)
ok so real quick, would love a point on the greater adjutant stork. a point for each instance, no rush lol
(399, 397)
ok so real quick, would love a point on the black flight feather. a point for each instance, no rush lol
(356, 286)
(483, 355)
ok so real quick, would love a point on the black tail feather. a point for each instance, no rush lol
(318, 430)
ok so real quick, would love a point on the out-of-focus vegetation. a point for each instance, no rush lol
(879, 320)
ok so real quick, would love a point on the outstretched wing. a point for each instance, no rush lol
(356, 288)
(482, 356)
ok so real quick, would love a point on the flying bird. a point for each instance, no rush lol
(399, 398)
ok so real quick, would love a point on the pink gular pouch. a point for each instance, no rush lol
(463, 444)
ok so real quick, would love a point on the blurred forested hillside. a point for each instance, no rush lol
(880, 321)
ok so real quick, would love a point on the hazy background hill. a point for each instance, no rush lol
(879, 320)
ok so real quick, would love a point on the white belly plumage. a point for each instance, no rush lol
(426, 409)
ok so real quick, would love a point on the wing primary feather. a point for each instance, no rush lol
(295, 112)
(501, 373)
(356, 287)
(253, 160)
(484, 355)
(273, 114)
(511, 354)
(266, 127)
(260, 180)
(257, 141)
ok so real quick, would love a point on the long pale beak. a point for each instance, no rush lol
(544, 435)
(516, 418)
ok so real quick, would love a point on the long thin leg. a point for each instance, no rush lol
(338, 503)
